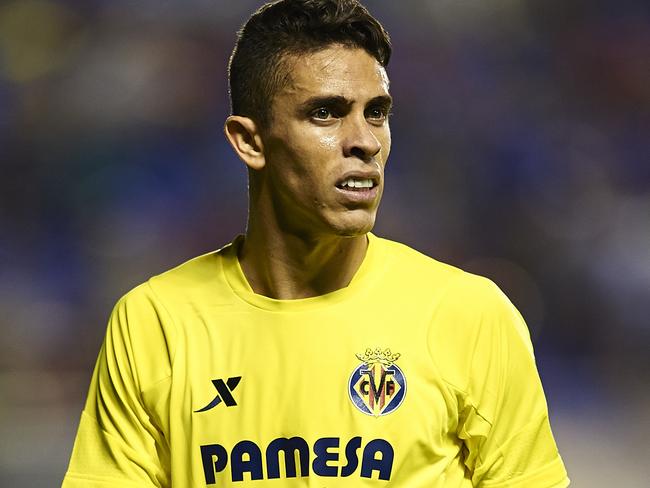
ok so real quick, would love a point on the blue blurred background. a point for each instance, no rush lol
(520, 152)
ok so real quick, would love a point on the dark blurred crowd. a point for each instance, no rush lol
(520, 152)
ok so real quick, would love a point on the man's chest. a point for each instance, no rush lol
(273, 397)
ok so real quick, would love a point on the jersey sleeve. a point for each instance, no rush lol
(504, 420)
(483, 351)
(118, 442)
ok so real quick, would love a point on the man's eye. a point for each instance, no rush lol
(376, 113)
(321, 113)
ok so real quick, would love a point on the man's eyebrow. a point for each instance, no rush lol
(385, 101)
(325, 101)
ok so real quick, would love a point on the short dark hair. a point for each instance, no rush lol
(293, 27)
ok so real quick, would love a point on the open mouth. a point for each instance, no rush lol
(357, 184)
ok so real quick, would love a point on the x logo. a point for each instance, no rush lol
(223, 393)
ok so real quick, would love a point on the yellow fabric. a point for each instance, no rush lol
(471, 412)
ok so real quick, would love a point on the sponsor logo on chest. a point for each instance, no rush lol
(247, 459)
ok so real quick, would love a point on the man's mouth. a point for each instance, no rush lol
(357, 184)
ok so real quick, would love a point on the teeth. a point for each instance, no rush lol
(353, 183)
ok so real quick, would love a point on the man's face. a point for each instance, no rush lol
(328, 143)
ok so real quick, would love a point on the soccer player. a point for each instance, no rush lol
(309, 352)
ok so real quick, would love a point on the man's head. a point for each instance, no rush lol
(286, 28)
(310, 116)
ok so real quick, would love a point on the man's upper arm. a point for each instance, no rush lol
(509, 437)
(502, 411)
(117, 443)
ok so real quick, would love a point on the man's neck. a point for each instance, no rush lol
(287, 266)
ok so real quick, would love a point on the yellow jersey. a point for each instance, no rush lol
(416, 374)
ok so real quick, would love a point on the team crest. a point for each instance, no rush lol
(377, 386)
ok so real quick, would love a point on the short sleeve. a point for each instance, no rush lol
(118, 442)
(504, 420)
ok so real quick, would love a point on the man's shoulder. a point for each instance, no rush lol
(406, 256)
(192, 272)
(433, 275)
(194, 277)
(409, 259)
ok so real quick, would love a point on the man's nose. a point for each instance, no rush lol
(360, 140)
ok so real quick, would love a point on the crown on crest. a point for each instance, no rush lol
(385, 357)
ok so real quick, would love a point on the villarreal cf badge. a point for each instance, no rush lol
(377, 386)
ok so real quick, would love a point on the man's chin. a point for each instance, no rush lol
(360, 223)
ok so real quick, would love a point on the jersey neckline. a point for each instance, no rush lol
(239, 285)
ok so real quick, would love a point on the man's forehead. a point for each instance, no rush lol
(336, 70)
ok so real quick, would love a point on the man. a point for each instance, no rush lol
(309, 352)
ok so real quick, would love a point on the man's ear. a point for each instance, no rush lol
(244, 136)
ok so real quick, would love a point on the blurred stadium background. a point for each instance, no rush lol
(520, 152)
